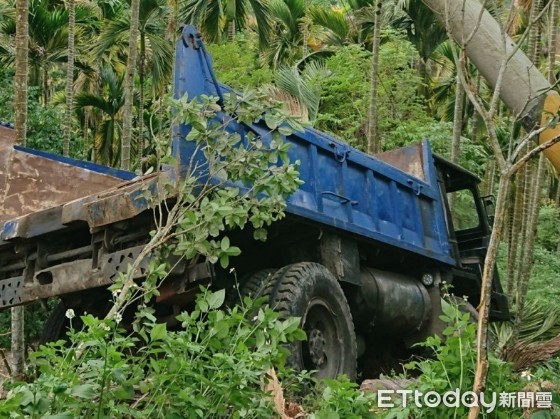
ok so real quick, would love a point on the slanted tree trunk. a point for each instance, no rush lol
(129, 86)
(69, 78)
(20, 110)
(373, 139)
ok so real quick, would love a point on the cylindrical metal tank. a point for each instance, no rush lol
(394, 303)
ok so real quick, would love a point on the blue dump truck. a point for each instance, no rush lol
(361, 255)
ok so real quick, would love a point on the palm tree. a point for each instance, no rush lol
(129, 85)
(373, 138)
(47, 42)
(341, 26)
(425, 33)
(287, 38)
(107, 108)
(155, 51)
(302, 87)
(69, 77)
(20, 108)
(215, 17)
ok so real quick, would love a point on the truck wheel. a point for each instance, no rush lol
(55, 326)
(310, 291)
(250, 286)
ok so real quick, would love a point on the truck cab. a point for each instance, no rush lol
(469, 228)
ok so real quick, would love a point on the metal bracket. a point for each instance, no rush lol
(341, 151)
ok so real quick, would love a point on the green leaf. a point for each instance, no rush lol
(216, 299)
(158, 332)
(84, 391)
(224, 260)
(271, 121)
(225, 243)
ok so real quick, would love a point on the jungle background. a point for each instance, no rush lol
(316, 57)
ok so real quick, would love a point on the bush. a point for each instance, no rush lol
(452, 367)
(213, 366)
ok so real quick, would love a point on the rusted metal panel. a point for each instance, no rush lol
(408, 159)
(31, 182)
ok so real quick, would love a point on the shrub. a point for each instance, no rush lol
(212, 366)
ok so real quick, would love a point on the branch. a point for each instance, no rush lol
(532, 153)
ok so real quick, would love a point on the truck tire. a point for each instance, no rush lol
(55, 326)
(310, 291)
(250, 286)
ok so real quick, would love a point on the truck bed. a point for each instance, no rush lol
(392, 199)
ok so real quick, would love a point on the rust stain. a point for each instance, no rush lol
(408, 160)
(30, 183)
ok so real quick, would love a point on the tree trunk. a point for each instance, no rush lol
(141, 142)
(69, 78)
(457, 129)
(552, 40)
(533, 44)
(20, 110)
(129, 86)
(486, 291)
(515, 232)
(529, 244)
(231, 31)
(20, 98)
(525, 91)
(373, 140)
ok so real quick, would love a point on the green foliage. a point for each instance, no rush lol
(452, 367)
(35, 317)
(402, 113)
(212, 366)
(549, 226)
(345, 98)
(237, 64)
(44, 123)
(255, 175)
(339, 399)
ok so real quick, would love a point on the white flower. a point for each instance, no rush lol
(118, 318)
(466, 298)
(527, 375)
(70, 314)
(104, 327)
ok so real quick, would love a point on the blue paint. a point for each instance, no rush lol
(121, 174)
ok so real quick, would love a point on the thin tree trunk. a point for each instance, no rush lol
(141, 142)
(514, 234)
(529, 244)
(552, 41)
(69, 78)
(20, 98)
(373, 140)
(231, 31)
(20, 108)
(533, 43)
(129, 86)
(486, 291)
(457, 129)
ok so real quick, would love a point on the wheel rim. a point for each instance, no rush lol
(322, 350)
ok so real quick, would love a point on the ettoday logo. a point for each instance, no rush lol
(454, 398)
